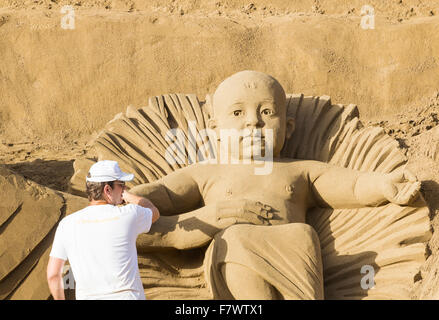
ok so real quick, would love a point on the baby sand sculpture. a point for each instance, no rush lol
(312, 228)
(343, 222)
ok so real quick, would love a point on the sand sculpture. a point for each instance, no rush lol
(29, 214)
(295, 237)
(306, 230)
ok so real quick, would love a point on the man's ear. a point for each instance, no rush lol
(291, 125)
(107, 191)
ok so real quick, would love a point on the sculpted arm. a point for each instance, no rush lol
(338, 187)
(173, 194)
(196, 228)
(183, 224)
(183, 231)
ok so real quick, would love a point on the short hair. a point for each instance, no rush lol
(250, 84)
(95, 190)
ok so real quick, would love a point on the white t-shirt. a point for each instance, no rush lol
(100, 243)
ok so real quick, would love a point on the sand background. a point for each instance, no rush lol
(59, 87)
(62, 83)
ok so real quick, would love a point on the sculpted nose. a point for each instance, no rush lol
(252, 121)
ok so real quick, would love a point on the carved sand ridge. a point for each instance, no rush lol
(28, 218)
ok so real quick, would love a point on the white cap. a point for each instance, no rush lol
(107, 170)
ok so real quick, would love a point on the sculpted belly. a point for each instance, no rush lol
(285, 209)
(284, 191)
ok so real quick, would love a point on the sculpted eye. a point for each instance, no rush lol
(237, 113)
(267, 112)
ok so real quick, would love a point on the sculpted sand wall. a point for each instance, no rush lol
(57, 82)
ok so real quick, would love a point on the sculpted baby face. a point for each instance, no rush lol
(252, 100)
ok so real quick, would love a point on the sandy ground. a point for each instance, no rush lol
(393, 9)
(44, 163)
(46, 119)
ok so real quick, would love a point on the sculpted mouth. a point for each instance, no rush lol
(253, 138)
(252, 141)
(251, 135)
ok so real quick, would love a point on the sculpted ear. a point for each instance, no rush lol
(209, 105)
(291, 125)
(211, 124)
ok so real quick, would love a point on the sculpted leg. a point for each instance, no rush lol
(244, 284)
(260, 262)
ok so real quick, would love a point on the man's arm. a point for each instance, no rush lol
(54, 278)
(338, 187)
(175, 193)
(143, 202)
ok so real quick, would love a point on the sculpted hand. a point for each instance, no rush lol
(401, 187)
(243, 211)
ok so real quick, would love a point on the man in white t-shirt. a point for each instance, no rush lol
(100, 240)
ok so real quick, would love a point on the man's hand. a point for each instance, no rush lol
(401, 187)
(134, 199)
(243, 211)
(129, 197)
